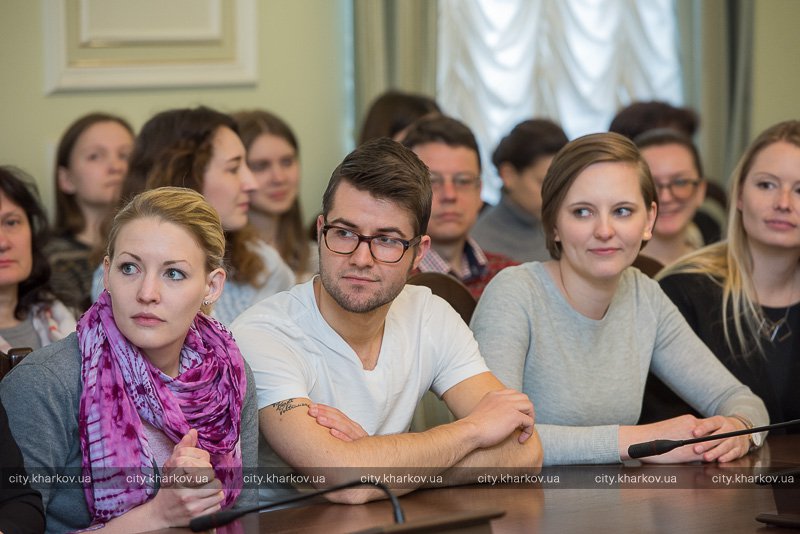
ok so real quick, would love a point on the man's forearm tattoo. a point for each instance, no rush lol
(285, 405)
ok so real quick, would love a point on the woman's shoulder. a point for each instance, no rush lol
(266, 251)
(280, 275)
(60, 356)
(637, 288)
(691, 283)
(524, 273)
(524, 281)
(43, 369)
(691, 277)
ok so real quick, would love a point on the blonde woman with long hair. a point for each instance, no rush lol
(742, 296)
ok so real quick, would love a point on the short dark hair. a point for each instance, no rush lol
(392, 112)
(639, 117)
(69, 217)
(19, 188)
(529, 141)
(441, 129)
(668, 136)
(572, 160)
(386, 170)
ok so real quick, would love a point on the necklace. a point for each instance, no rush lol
(772, 329)
(778, 331)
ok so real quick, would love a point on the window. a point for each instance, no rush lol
(573, 61)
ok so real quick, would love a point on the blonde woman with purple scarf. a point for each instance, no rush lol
(149, 406)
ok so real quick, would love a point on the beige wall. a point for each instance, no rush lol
(301, 77)
(776, 63)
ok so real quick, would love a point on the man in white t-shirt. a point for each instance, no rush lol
(341, 361)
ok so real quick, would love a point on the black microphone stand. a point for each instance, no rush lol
(662, 446)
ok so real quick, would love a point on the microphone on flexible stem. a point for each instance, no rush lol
(661, 446)
(219, 519)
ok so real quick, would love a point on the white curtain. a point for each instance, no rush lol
(574, 61)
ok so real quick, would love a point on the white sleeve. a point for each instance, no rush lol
(279, 369)
(457, 353)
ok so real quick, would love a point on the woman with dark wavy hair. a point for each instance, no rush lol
(200, 148)
(30, 316)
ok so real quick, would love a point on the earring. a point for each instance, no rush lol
(206, 302)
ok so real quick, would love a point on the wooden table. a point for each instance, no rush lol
(699, 501)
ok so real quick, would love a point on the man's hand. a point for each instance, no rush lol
(498, 414)
(341, 426)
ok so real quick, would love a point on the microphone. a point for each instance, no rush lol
(661, 446)
(219, 519)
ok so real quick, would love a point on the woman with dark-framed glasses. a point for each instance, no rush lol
(678, 174)
(742, 296)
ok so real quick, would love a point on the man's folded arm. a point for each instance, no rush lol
(310, 448)
(462, 399)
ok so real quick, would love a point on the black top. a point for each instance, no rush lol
(774, 376)
(71, 277)
(20, 506)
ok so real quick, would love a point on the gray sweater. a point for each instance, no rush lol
(509, 230)
(41, 396)
(586, 377)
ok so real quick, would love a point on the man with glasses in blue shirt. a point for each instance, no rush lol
(449, 149)
(341, 361)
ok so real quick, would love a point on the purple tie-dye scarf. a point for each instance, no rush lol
(121, 387)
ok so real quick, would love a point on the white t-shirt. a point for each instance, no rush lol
(294, 352)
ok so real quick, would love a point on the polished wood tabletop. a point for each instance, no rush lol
(692, 498)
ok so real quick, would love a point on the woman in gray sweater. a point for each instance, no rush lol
(578, 334)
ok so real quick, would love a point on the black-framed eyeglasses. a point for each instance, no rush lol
(462, 181)
(680, 188)
(384, 248)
